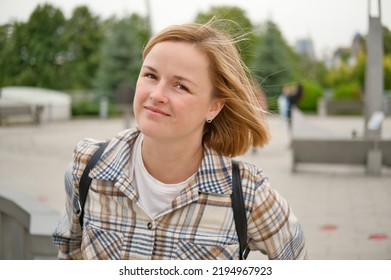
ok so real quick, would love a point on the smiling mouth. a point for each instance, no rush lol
(156, 111)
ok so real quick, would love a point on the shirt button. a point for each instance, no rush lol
(149, 225)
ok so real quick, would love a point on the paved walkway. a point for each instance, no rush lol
(345, 214)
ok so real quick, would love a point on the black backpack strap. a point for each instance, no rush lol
(85, 181)
(239, 211)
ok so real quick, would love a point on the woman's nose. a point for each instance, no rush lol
(158, 93)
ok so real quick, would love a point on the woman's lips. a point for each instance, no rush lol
(156, 110)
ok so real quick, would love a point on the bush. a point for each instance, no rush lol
(85, 108)
(347, 91)
(89, 108)
(311, 93)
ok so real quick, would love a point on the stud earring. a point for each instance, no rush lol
(209, 121)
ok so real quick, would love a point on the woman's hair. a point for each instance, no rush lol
(241, 124)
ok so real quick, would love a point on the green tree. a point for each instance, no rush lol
(83, 37)
(340, 75)
(275, 63)
(387, 72)
(121, 56)
(386, 40)
(40, 48)
(10, 65)
(357, 73)
(233, 21)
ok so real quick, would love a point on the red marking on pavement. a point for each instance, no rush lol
(328, 228)
(378, 237)
(42, 198)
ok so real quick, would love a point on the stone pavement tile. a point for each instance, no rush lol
(375, 250)
(256, 256)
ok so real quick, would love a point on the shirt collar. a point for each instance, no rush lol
(213, 176)
(114, 160)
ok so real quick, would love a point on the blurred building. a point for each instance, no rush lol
(358, 46)
(55, 105)
(305, 47)
(349, 54)
(340, 55)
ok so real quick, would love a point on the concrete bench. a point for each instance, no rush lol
(311, 144)
(337, 151)
(11, 113)
(334, 107)
(26, 227)
(330, 107)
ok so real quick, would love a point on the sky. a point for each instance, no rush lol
(328, 23)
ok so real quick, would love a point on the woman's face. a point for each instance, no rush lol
(174, 93)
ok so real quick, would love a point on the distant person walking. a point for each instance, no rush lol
(293, 100)
(283, 101)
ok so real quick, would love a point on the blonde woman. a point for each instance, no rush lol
(162, 190)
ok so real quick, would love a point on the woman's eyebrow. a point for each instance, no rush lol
(178, 77)
(181, 78)
(149, 67)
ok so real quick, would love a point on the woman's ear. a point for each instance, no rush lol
(215, 108)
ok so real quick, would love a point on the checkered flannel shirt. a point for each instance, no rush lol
(198, 224)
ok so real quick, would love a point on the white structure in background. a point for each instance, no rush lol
(305, 47)
(56, 105)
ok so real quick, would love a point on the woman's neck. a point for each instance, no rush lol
(170, 162)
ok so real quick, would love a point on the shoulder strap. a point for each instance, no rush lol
(239, 211)
(85, 180)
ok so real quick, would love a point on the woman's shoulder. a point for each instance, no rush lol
(86, 147)
(252, 176)
(83, 152)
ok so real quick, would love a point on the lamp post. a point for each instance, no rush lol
(374, 85)
(374, 90)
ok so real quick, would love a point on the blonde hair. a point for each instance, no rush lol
(241, 124)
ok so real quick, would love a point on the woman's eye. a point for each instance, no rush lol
(150, 75)
(182, 87)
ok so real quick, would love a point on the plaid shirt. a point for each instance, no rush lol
(198, 224)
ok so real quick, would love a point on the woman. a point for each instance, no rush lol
(162, 190)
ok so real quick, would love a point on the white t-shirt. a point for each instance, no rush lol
(154, 195)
